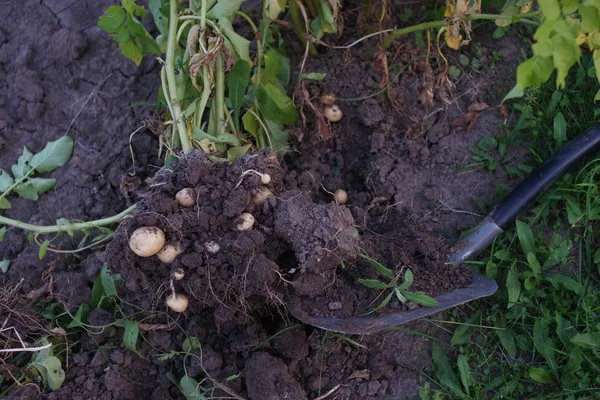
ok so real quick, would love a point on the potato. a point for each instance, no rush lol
(341, 196)
(178, 274)
(186, 197)
(178, 302)
(260, 196)
(212, 247)
(169, 252)
(246, 222)
(333, 113)
(328, 99)
(147, 241)
(265, 179)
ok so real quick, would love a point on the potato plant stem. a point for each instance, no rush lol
(78, 226)
(172, 81)
(298, 27)
(219, 93)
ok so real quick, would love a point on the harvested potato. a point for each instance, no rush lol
(260, 196)
(169, 252)
(212, 247)
(186, 197)
(246, 222)
(178, 274)
(328, 99)
(178, 302)
(147, 241)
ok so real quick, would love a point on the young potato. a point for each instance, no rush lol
(169, 252)
(212, 247)
(341, 196)
(246, 222)
(333, 113)
(147, 241)
(178, 302)
(178, 274)
(186, 197)
(260, 196)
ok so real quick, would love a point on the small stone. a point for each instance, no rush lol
(335, 305)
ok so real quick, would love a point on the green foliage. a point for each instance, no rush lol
(123, 25)
(400, 290)
(54, 155)
(48, 366)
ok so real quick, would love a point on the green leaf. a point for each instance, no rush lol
(399, 295)
(534, 264)
(421, 298)
(590, 20)
(540, 375)
(4, 265)
(596, 56)
(191, 343)
(534, 71)
(160, 20)
(134, 9)
(550, 8)
(23, 165)
(525, 235)
(515, 93)
(380, 268)
(251, 124)
(384, 303)
(573, 211)
(560, 130)
(32, 188)
(443, 370)
(235, 152)
(513, 285)
(564, 330)
(190, 388)
(543, 343)
(569, 6)
(2, 233)
(566, 281)
(463, 332)
(586, 341)
(274, 7)
(6, 181)
(316, 29)
(113, 19)
(507, 340)
(236, 44)
(130, 336)
(237, 83)
(80, 316)
(272, 65)
(315, 76)
(4, 204)
(465, 373)
(566, 54)
(408, 277)
(108, 282)
(43, 249)
(487, 143)
(326, 16)
(224, 9)
(275, 105)
(51, 370)
(374, 284)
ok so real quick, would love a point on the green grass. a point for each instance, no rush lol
(539, 336)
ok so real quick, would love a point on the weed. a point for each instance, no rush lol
(400, 290)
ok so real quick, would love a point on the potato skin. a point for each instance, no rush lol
(178, 303)
(147, 241)
(186, 197)
(169, 252)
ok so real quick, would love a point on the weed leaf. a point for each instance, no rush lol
(108, 282)
(191, 343)
(463, 332)
(513, 285)
(4, 265)
(384, 303)
(560, 130)
(237, 82)
(130, 336)
(525, 237)
(381, 269)
(190, 388)
(586, 341)
(2, 233)
(540, 375)
(564, 330)
(400, 296)
(542, 342)
(374, 284)
(444, 372)
(275, 105)
(315, 76)
(80, 316)
(534, 264)
(566, 281)
(4, 204)
(465, 372)
(507, 340)
(421, 298)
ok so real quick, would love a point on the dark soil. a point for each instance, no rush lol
(398, 155)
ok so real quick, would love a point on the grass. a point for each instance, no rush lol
(539, 336)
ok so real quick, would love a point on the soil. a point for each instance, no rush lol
(400, 160)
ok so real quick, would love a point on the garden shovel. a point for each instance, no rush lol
(498, 220)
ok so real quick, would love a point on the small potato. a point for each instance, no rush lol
(341, 196)
(178, 274)
(265, 179)
(333, 113)
(328, 99)
(212, 247)
(246, 222)
(260, 196)
(178, 302)
(147, 241)
(186, 197)
(169, 252)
